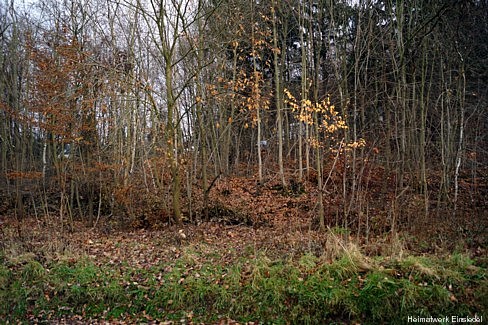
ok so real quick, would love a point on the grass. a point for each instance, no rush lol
(309, 290)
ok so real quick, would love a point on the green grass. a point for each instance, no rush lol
(307, 291)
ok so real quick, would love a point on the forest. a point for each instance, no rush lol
(243, 161)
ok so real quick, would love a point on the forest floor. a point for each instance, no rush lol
(259, 258)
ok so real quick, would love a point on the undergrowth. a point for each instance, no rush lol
(307, 290)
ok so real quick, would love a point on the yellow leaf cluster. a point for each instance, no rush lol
(330, 122)
(357, 144)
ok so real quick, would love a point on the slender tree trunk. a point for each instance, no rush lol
(278, 95)
(171, 136)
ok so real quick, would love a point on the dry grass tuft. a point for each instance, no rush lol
(339, 246)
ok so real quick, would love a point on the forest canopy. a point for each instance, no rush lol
(138, 110)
